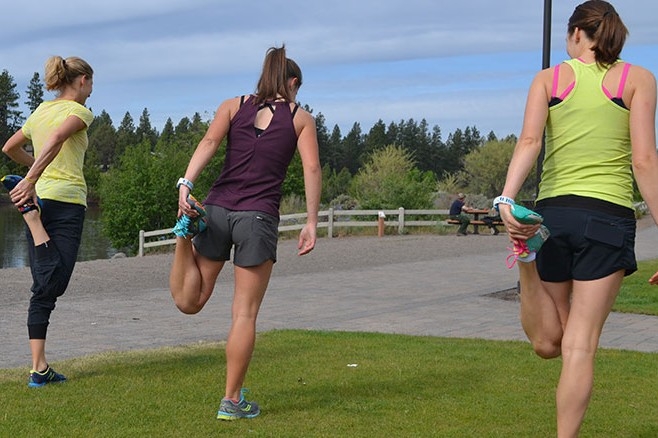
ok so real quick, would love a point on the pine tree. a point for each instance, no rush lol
(145, 131)
(10, 116)
(34, 92)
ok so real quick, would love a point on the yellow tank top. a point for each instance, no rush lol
(63, 179)
(588, 147)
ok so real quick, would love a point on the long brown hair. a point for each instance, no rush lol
(277, 71)
(601, 24)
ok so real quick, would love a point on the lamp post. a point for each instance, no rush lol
(545, 62)
(546, 57)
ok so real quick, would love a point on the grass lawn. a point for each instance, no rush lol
(331, 384)
(636, 295)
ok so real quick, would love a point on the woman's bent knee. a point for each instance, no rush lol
(187, 307)
(546, 349)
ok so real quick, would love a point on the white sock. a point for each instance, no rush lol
(527, 259)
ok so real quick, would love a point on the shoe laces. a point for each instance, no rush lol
(182, 226)
(520, 249)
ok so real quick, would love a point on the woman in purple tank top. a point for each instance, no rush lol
(241, 212)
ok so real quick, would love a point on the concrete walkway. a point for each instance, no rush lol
(417, 285)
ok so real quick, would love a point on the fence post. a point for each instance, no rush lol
(380, 223)
(141, 244)
(401, 220)
(330, 223)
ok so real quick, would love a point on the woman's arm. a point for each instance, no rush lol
(526, 151)
(643, 137)
(643, 140)
(24, 190)
(206, 149)
(13, 148)
(307, 145)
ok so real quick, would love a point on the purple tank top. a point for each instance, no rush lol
(255, 165)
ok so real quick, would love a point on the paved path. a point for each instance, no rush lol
(418, 285)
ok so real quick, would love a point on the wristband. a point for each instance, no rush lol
(502, 200)
(30, 180)
(185, 182)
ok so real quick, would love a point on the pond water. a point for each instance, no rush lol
(13, 243)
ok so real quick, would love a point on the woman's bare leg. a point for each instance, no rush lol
(544, 309)
(38, 350)
(590, 307)
(192, 277)
(33, 221)
(250, 286)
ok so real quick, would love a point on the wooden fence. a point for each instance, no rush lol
(329, 219)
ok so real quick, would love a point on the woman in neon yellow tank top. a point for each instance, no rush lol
(52, 196)
(599, 116)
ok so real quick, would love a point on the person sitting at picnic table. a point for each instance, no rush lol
(458, 212)
(490, 219)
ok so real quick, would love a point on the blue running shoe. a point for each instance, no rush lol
(229, 410)
(188, 227)
(37, 379)
(9, 182)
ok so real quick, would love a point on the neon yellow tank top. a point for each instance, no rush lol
(588, 147)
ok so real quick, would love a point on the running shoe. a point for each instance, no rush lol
(525, 215)
(525, 251)
(188, 227)
(9, 182)
(536, 241)
(229, 410)
(519, 250)
(38, 379)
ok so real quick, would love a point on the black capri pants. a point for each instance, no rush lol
(52, 263)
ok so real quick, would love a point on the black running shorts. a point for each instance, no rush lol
(585, 244)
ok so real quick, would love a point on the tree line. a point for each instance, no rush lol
(131, 168)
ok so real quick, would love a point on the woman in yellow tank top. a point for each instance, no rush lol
(599, 116)
(57, 130)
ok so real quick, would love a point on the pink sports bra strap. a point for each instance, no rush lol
(622, 81)
(556, 77)
(566, 92)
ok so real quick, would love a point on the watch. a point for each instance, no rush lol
(502, 200)
(185, 182)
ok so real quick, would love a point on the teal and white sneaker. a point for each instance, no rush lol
(525, 215)
(527, 251)
(38, 379)
(188, 227)
(229, 410)
(536, 241)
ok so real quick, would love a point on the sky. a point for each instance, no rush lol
(453, 63)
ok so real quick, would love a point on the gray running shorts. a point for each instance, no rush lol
(253, 236)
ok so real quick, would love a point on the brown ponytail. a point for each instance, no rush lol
(600, 21)
(277, 71)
